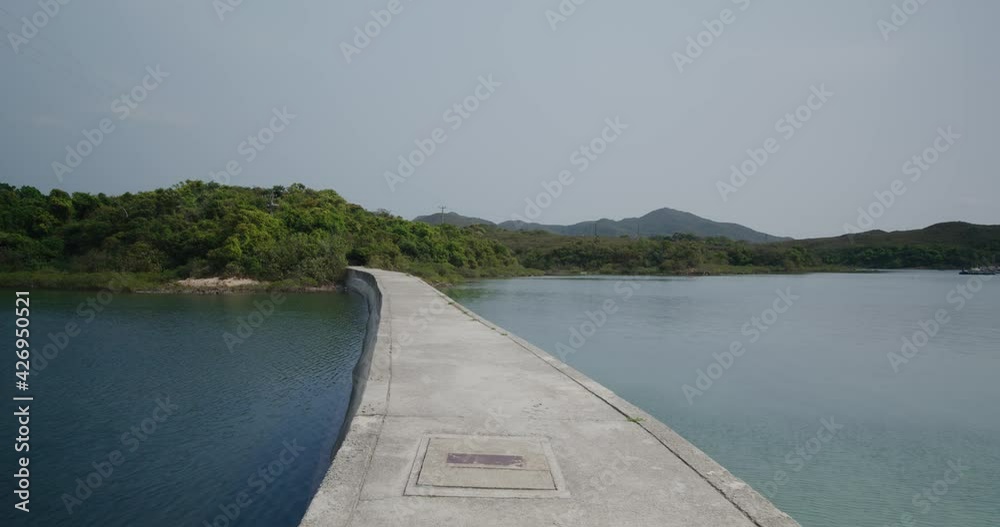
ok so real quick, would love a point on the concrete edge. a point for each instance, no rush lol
(334, 502)
(755, 506)
(336, 498)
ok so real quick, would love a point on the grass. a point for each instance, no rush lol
(50, 279)
(442, 275)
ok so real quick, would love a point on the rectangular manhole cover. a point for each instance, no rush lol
(486, 460)
(485, 466)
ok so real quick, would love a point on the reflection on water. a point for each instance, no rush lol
(170, 410)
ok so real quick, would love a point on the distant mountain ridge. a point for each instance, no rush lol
(946, 233)
(660, 222)
(452, 218)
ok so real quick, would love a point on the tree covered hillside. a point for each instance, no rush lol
(945, 246)
(307, 237)
(198, 229)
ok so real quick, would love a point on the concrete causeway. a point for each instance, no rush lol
(455, 422)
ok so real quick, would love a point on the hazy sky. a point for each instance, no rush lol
(551, 93)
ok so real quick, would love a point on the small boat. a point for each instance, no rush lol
(980, 271)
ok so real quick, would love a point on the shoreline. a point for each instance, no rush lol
(229, 286)
(149, 283)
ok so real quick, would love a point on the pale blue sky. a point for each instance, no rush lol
(607, 60)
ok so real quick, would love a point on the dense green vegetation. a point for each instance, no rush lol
(944, 246)
(198, 229)
(297, 237)
(453, 219)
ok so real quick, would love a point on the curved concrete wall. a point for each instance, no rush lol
(333, 503)
(365, 285)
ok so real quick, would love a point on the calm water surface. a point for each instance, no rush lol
(897, 427)
(200, 428)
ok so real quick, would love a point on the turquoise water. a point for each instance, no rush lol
(202, 427)
(814, 410)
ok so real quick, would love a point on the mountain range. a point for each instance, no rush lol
(660, 222)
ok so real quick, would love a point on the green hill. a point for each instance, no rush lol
(453, 219)
(941, 234)
(198, 229)
(301, 237)
(661, 222)
(944, 246)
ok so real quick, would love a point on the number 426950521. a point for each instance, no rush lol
(22, 345)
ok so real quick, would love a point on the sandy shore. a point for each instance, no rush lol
(218, 283)
(220, 286)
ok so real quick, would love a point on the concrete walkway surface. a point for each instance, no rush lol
(455, 422)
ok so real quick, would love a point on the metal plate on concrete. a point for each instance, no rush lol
(485, 460)
(485, 466)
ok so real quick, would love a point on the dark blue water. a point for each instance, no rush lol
(912, 443)
(192, 427)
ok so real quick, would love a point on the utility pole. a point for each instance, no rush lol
(442, 207)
